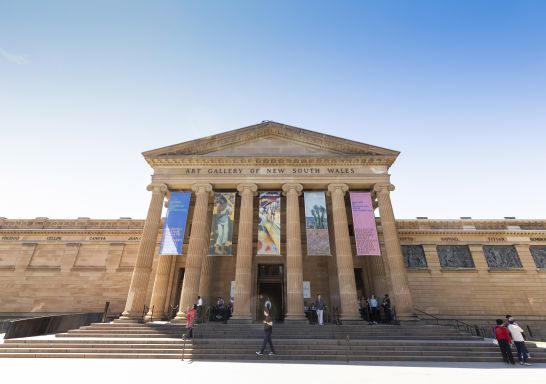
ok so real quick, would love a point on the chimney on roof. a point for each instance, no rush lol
(509, 218)
(422, 218)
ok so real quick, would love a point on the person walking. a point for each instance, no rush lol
(517, 336)
(503, 337)
(268, 330)
(319, 308)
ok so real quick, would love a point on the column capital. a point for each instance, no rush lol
(383, 188)
(286, 188)
(159, 188)
(199, 188)
(247, 187)
(334, 187)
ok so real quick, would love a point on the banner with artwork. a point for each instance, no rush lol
(367, 242)
(269, 224)
(221, 229)
(316, 224)
(175, 224)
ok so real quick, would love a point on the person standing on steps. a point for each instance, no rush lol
(199, 305)
(319, 307)
(503, 337)
(268, 330)
(517, 335)
(190, 320)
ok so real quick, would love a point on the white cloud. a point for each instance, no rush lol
(13, 57)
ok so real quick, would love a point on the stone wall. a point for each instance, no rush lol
(78, 265)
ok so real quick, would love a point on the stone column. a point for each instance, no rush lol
(243, 266)
(145, 256)
(294, 264)
(197, 249)
(161, 285)
(344, 254)
(401, 294)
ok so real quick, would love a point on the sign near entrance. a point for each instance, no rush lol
(175, 224)
(367, 242)
(269, 224)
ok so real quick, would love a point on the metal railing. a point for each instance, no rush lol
(461, 326)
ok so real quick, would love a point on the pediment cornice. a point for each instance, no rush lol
(172, 161)
(205, 147)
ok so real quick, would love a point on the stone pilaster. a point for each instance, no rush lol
(143, 266)
(25, 256)
(197, 249)
(344, 254)
(159, 292)
(401, 294)
(243, 265)
(294, 264)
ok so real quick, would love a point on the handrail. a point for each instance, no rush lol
(474, 330)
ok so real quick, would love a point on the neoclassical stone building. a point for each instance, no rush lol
(461, 268)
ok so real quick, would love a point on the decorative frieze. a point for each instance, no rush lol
(455, 256)
(501, 256)
(539, 255)
(414, 256)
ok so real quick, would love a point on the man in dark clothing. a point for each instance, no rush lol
(268, 329)
(387, 308)
(503, 337)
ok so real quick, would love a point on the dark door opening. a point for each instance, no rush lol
(173, 308)
(270, 285)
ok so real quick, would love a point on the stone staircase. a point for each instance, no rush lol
(411, 342)
(239, 342)
(106, 340)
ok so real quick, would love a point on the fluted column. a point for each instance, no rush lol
(206, 272)
(197, 249)
(243, 265)
(294, 265)
(161, 285)
(344, 254)
(400, 294)
(145, 256)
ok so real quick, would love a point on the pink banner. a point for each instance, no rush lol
(367, 242)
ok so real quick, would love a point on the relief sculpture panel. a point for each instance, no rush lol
(539, 255)
(501, 256)
(414, 256)
(455, 256)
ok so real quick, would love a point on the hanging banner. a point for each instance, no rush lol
(316, 224)
(365, 230)
(269, 224)
(175, 224)
(221, 229)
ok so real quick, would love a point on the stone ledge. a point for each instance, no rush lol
(7, 267)
(422, 270)
(505, 270)
(88, 268)
(447, 269)
(43, 268)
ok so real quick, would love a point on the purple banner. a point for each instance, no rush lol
(367, 242)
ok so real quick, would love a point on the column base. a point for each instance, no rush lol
(177, 320)
(126, 319)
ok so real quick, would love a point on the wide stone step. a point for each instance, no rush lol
(94, 355)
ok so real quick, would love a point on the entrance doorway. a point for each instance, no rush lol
(270, 285)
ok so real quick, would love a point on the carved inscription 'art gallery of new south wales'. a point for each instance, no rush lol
(273, 211)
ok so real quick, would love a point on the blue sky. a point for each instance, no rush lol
(459, 87)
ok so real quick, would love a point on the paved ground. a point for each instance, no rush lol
(176, 371)
(93, 371)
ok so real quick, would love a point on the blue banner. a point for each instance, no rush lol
(175, 224)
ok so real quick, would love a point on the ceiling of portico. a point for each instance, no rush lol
(269, 139)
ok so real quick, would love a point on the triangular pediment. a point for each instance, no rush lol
(270, 139)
